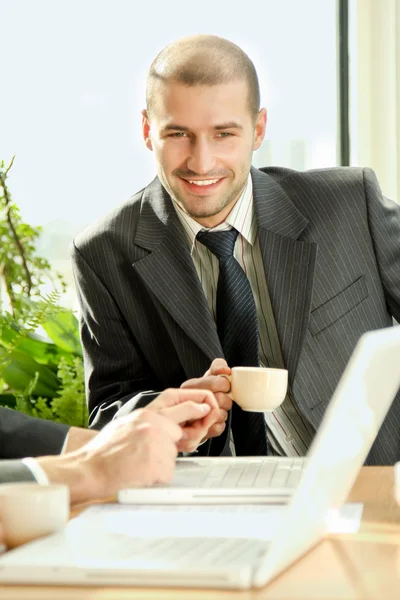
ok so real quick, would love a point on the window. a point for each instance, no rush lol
(74, 74)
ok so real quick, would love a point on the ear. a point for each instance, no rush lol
(260, 128)
(146, 129)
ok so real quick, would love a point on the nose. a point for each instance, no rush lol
(201, 159)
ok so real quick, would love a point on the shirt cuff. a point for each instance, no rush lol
(64, 446)
(36, 470)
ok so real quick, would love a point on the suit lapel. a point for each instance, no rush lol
(169, 272)
(288, 264)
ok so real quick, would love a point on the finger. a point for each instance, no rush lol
(197, 395)
(224, 401)
(194, 435)
(216, 430)
(220, 365)
(191, 444)
(166, 398)
(223, 416)
(205, 423)
(212, 417)
(212, 383)
(187, 411)
(173, 397)
(165, 425)
(213, 432)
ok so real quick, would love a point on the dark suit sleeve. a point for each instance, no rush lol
(384, 223)
(115, 370)
(22, 435)
(14, 470)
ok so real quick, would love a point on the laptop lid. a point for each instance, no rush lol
(350, 425)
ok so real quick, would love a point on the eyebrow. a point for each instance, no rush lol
(174, 127)
(229, 125)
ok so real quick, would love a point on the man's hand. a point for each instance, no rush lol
(138, 449)
(187, 407)
(220, 387)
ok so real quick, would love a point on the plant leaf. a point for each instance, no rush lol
(12, 336)
(18, 369)
(63, 329)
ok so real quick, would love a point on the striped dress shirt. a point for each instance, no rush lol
(288, 432)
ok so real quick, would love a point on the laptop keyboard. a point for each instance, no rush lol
(274, 473)
(114, 550)
(185, 551)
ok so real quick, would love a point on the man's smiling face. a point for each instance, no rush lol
(203, 138)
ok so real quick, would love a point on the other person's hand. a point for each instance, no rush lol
(174, 404)
(220, 386)
(138, 449)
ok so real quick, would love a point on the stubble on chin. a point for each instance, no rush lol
(200, 207)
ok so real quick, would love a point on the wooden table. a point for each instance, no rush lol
(363, 566)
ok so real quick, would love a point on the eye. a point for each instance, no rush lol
(224, 134)
(177, 134)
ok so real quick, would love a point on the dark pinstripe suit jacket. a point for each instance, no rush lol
(331, 249)
(20, 436)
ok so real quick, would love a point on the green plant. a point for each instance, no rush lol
(22, 271)
(44, 377)
(40, 374)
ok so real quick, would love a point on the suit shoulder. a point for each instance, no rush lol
(328, 183)
(119, 222)
(328, 174)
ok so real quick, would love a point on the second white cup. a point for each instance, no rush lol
(29, 511)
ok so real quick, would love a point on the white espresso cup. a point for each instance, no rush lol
(257, 389)
(30, 510)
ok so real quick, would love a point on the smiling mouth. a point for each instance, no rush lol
(201, 186)
(202, 182)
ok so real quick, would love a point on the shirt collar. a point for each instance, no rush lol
(241, 217)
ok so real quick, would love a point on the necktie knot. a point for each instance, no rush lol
(220, 243)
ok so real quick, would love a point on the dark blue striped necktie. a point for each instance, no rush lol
(238, 333)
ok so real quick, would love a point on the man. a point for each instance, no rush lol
(138, 449)
(215, 258)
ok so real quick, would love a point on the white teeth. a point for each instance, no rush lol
(204, 182)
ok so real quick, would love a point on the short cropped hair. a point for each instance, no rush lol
(203, 60)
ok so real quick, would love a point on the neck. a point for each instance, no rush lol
(214, 220)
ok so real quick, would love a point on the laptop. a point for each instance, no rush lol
(354, 416)
(224, 480)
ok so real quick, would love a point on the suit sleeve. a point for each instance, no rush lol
(384, 223)
(22, 435)
(14, 470)
(117, 376)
